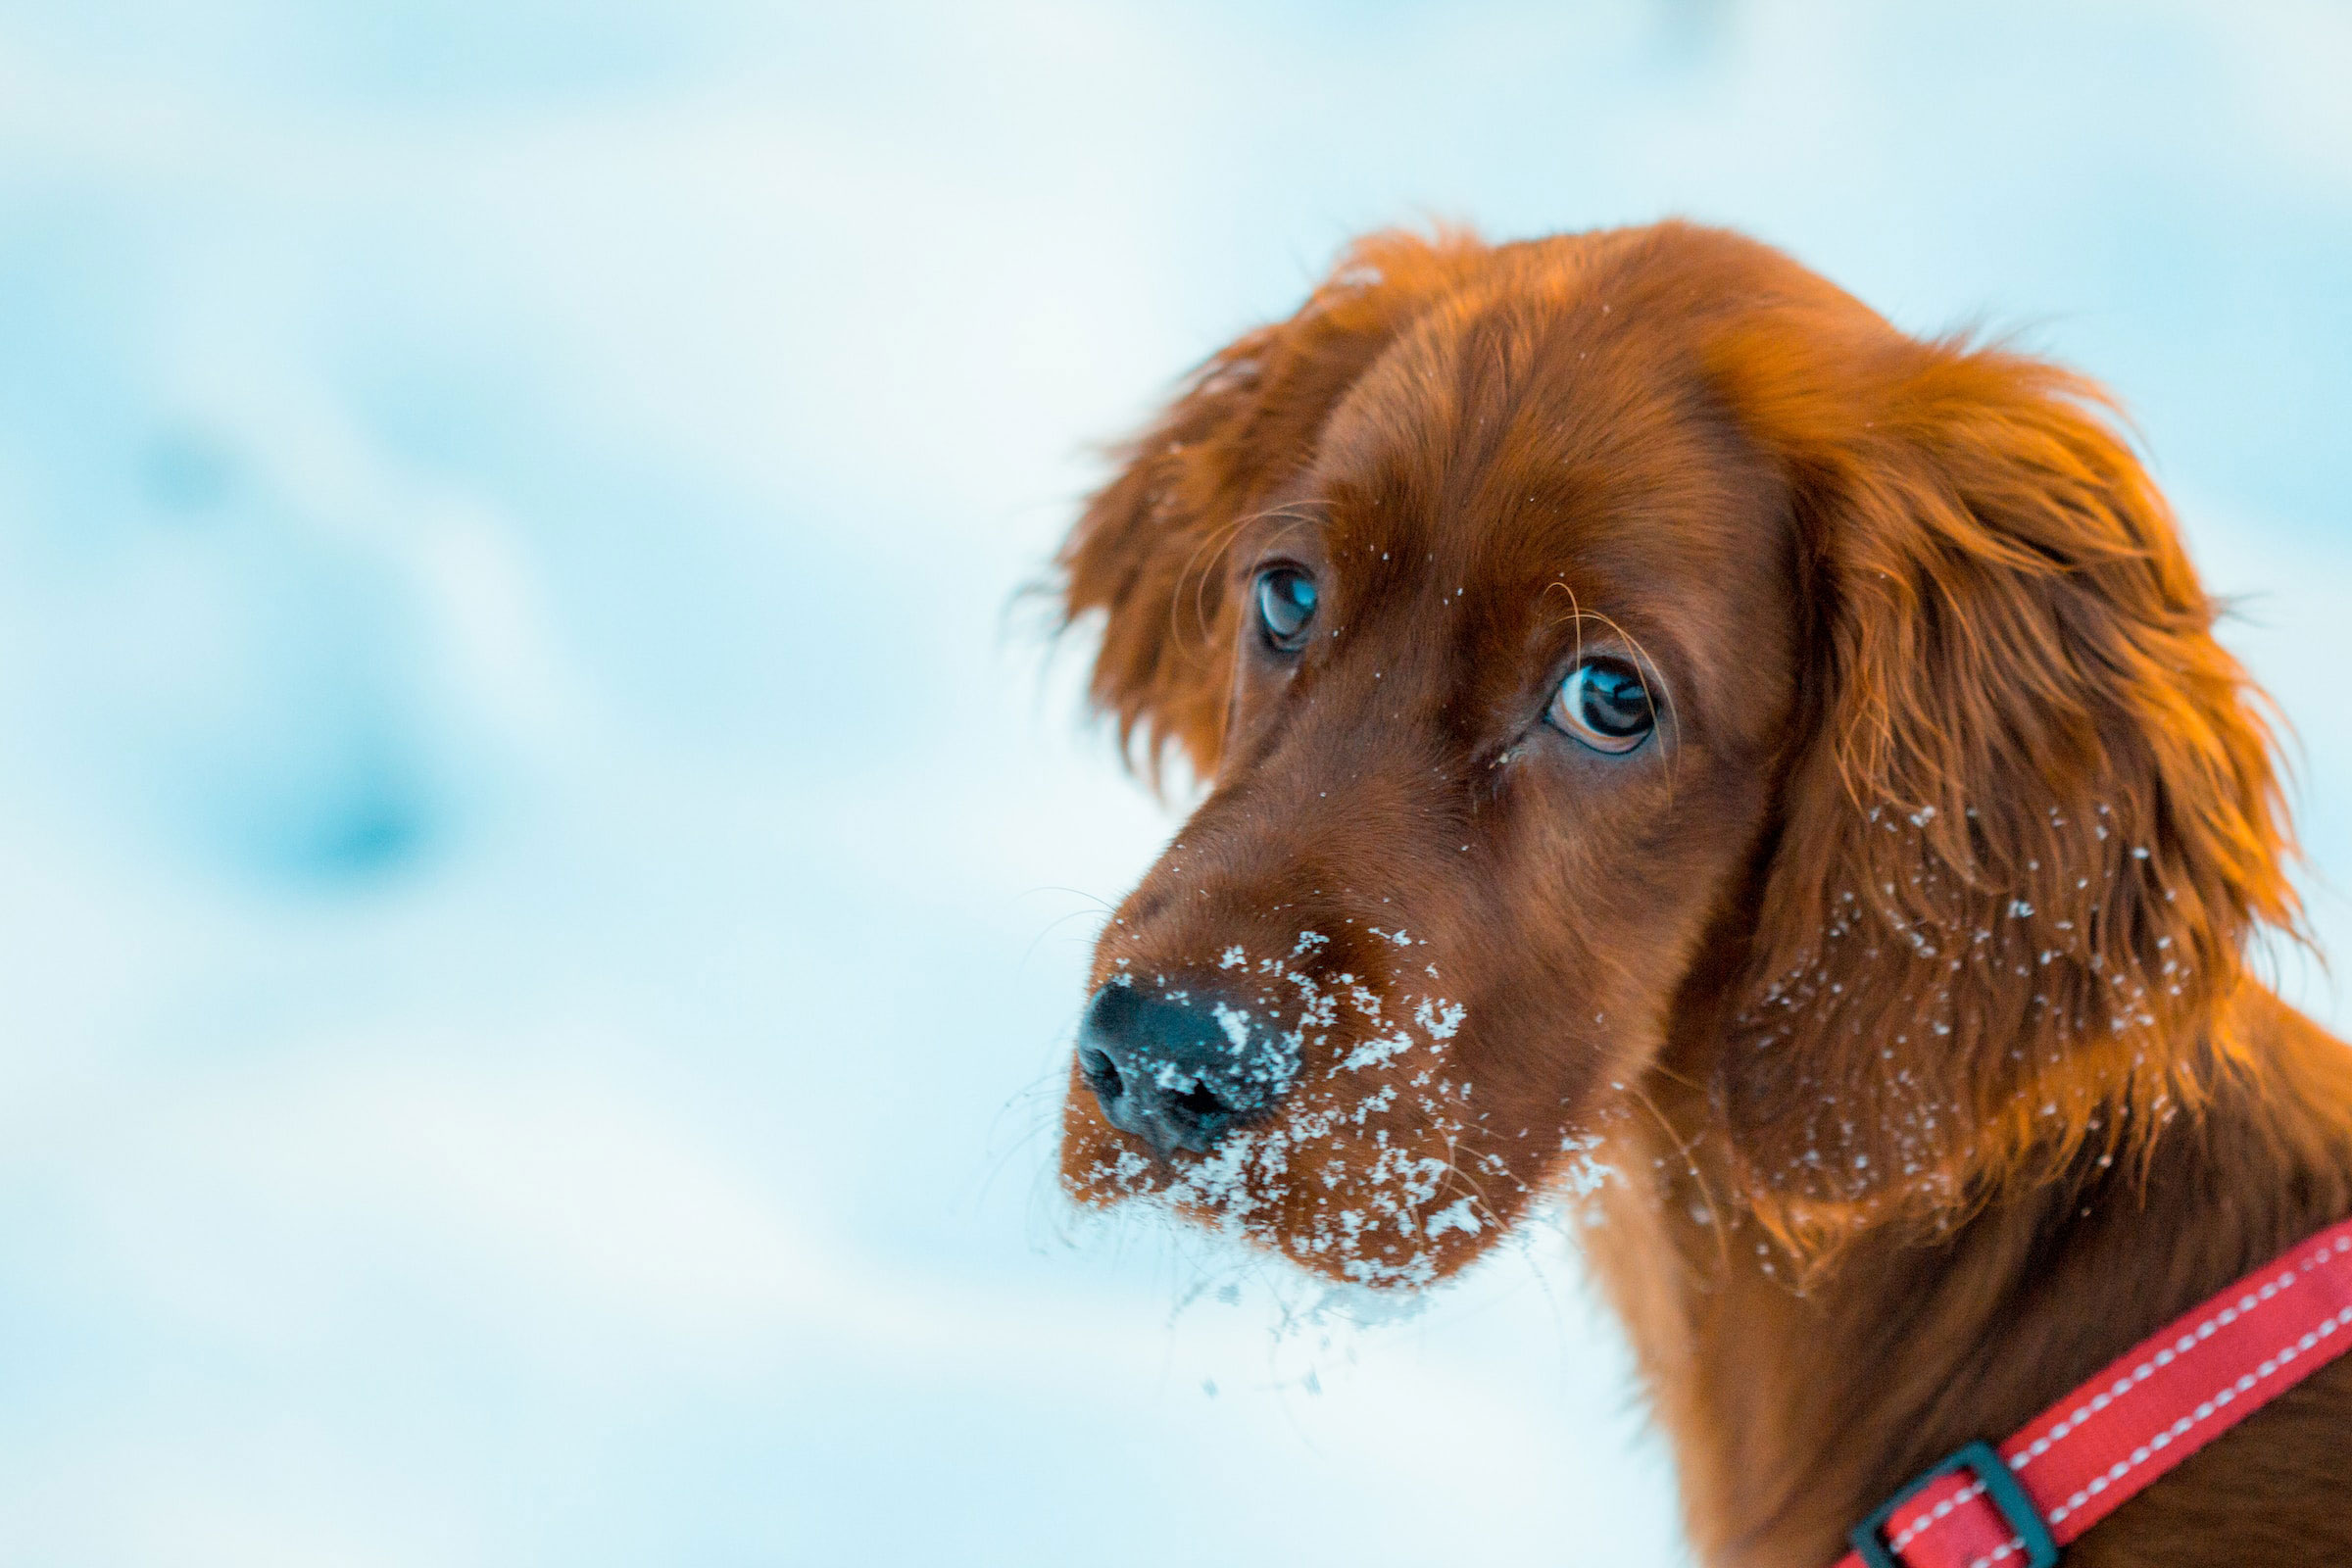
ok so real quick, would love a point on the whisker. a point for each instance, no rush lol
(1197, 571)
(1682, 1149)
(1054, 925)
(1645, 668)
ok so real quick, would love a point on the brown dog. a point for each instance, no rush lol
(1678, 739)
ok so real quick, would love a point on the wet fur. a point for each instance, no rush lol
(1891, 1010)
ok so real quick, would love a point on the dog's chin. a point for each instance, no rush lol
(1388, 1218)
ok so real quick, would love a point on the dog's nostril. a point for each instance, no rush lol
(1202, 1102)
(1102, 1073)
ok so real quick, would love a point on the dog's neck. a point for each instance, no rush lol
(1797, 1407)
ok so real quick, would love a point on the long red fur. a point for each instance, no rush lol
(1892, 1010)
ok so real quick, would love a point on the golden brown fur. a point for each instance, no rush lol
(1892, 1005)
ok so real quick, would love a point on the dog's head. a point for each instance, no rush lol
(1624, 654)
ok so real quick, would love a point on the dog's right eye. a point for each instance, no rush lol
(1286, 605)
(1605, 703)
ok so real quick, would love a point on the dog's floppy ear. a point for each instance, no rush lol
(2033, 821)
(1148, 550)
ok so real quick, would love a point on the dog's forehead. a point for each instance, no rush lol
(1526, 442)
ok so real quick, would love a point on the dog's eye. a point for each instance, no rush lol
(1603, 703)
(1286, 603)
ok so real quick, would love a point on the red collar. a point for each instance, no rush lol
(2152, 1408)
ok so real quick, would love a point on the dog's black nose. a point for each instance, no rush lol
(1180, 1068)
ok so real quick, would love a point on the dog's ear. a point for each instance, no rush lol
(1148, 550)
(2032, 821)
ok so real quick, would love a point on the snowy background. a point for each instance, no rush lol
(544, 876)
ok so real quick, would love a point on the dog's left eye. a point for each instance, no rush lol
(1603, 703)
(1286, 603)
